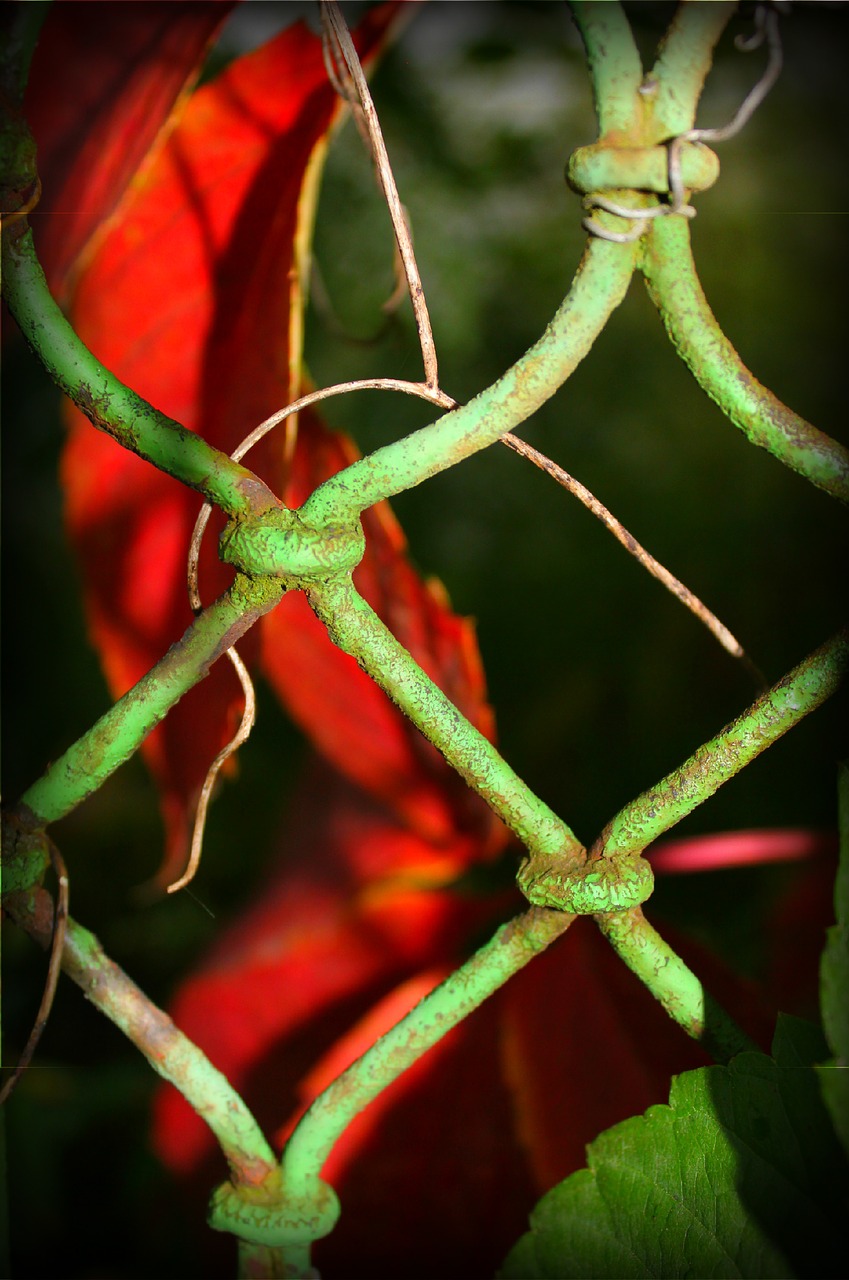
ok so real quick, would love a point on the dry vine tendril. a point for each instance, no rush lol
(346, 74)
(54, 968)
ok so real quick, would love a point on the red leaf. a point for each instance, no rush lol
(105, 80)
(189, 298)
(358, 905)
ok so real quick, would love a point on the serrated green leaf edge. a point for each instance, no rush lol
(834, 979)
(740, 1175)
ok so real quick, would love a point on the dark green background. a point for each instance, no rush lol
(601, 681)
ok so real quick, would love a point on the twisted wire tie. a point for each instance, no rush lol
(766, 28)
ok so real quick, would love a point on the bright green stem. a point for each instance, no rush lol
(172, 1055)
(614, 63)
(684, 60)
(108, 403)
(674, 286)
(121, 731)
(674, 985)
(511, 948)
(599, 286)
(354, 626)
(680, 792)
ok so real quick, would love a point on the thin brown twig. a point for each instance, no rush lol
(241, 735)
(654, 567)
(401, 287)
(245, 725)
(341, 80)
(421, 389)
(54, 968)
(339, 40)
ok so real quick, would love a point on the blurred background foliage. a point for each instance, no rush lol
(601, 681)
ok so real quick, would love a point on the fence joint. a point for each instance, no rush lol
(278, 543)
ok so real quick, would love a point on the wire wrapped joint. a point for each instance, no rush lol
(604, 168)
(599, 171)
(615, 883)
(279, 544)
(274, 1221)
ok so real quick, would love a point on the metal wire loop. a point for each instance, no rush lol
(766, 29)
(640, 217)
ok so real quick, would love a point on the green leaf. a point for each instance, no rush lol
(834, 980)
(740, 1175)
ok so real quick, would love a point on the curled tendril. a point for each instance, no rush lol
(60, 920)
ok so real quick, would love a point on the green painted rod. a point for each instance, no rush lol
(600, 284)
(354, 626)
(109, 404)
(673, 984)
(172, 1055)
(616, 71)
(684, 60)
(509, 950)
(120, 732)
(676, 291)
(801, 691)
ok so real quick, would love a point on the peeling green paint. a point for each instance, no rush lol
(600, 884)
(676, 291)
(601, 167)
(673, 984)
(268, 1216)
(279, 543)
(120, 732)
(600, 284)
(354, 626)
(512, 947)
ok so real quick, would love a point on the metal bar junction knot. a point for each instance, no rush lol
(271, 1215)
(681, 175)
(278, 543)
(612, 882)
